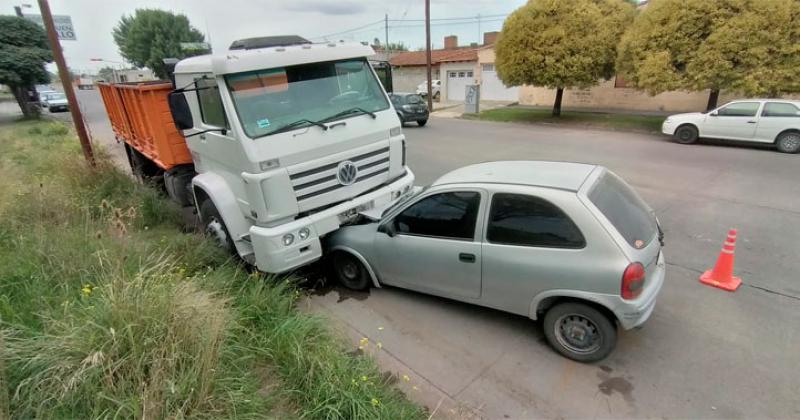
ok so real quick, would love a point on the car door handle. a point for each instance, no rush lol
(751, 122)
(467, 258)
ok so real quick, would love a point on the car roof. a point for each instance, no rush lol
(794, 101)
(561, 175)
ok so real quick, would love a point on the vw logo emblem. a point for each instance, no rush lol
(347, 172)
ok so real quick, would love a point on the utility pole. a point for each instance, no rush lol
(386, 30)
(427, 51)
(66, 82)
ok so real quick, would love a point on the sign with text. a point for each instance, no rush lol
(63, 24)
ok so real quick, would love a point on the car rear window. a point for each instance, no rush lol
(620, 204)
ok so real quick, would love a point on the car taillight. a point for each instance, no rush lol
(632, 281)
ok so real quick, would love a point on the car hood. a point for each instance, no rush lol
(687, 115)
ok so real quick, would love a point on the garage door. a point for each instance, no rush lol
(492, 89)
(457, 81)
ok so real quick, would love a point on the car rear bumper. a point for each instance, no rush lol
(272, 256)
(406, 117)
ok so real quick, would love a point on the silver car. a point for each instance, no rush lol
(769, 121)
(569, 242)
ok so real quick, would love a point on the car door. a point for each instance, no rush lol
(775, 118)
(532, 245)
(434, 248)
(734, 121)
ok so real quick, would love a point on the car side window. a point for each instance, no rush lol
(211, 109)
(780, 109)
(739, 109)
(445, 215)
(517, 219)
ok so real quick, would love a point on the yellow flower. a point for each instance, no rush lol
(380, 346)
(364, 378)
(415, 388)
(376, 402)
(87, 289)
(364, 341)
(353, 381)
(406, 378)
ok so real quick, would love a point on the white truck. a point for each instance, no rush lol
(287, 141)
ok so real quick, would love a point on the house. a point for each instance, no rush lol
(456, 67)
(456, 63)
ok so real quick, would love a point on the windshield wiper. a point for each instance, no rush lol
(350, 111)
(293, 125)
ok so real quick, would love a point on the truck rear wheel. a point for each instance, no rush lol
(214, 227)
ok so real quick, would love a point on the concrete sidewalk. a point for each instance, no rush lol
(456, 109)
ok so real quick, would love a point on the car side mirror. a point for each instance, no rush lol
(714, 114)
(179, 108)
(388, 228)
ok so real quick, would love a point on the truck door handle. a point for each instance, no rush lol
(467, 258)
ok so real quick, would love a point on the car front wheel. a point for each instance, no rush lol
(350, 272)
(580, 332)
(788, 142)
(686, 134)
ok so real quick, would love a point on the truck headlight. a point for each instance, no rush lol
(288, 239)
(303, 233)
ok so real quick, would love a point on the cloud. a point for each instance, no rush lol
(327, 7)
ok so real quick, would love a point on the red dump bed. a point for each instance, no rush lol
(139, 114)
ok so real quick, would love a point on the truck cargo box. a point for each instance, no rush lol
(140, 116)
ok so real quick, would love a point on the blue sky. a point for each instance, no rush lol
(228, 20)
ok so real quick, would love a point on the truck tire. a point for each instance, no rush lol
(580, 332)
(214, 227)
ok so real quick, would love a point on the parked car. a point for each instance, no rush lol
(44, 95)
(410, 107)
(773, 121)
(436, 86)
(567, 242)
(57, 102)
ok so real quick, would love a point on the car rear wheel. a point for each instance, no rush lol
(788, 142)
(350, 272)
(422, 123)
(580, 332)
(686, 134)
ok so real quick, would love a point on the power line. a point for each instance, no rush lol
(475, 18)
(445, 21)
(349, 30)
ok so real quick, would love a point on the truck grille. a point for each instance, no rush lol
(323, 179)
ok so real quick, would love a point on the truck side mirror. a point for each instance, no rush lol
(388, 228)
(179, 108)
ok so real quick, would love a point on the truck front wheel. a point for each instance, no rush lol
(214, 227)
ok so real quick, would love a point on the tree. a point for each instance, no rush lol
(149, 36)
(23, 54)
(748, 46)
(561, 44)
(396, 46)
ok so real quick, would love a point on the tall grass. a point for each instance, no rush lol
(107, 310)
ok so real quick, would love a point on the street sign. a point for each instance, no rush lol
(63, 24)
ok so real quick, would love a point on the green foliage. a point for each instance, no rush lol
(23, 52)
(396, 46)
(107, 310)
(561, 44)
(748, 46)
(149, 36)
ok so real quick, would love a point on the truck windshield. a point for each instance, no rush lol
(267, 100)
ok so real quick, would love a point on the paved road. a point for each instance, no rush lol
(704, 353)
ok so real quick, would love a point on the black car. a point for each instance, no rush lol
(410, 107)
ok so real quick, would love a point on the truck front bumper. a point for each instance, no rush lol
(273, 255)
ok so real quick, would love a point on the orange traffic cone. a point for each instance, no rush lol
(722, 274)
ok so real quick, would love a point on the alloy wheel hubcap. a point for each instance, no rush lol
(349, 270)
(792, 142)
(578, 334)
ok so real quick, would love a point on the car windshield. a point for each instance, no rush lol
(620, 204)
(268, 100)
(56, 96)
(413, 99)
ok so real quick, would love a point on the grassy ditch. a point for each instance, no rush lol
(108, 310)
(622, 122)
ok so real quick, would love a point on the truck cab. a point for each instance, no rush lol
(287, 142)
